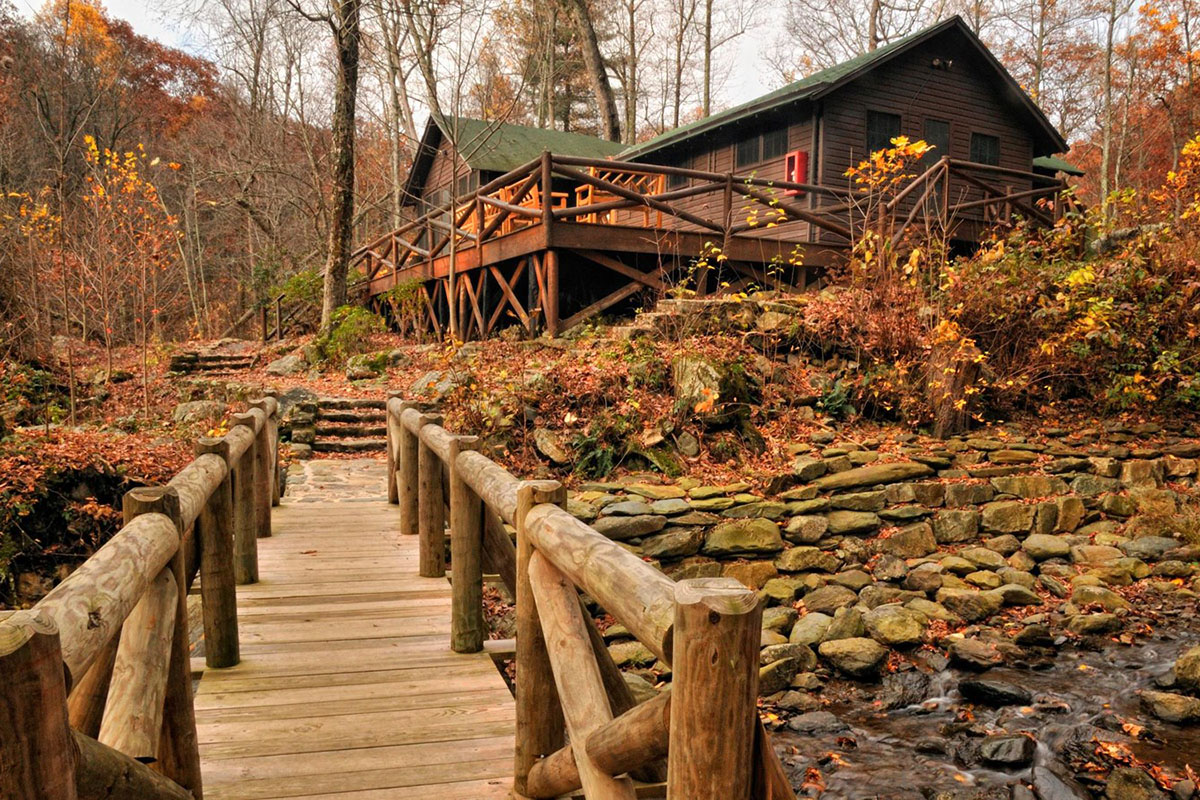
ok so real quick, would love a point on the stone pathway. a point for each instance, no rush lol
(359, 480)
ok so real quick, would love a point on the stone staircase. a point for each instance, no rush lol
(192, 361)
(349, 425)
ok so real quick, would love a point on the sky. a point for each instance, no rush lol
(747, 80)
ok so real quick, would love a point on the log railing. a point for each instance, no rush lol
(701, 738)
(947, 192)
(95, 679)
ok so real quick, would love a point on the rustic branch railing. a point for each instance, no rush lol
(97, 681)
(725, 208)
(706, 726)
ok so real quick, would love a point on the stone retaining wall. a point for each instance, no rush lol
(857, 551)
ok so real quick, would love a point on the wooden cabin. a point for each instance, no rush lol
(547, 228)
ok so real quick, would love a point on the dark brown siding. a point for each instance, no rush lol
(716, 153)
(965, 96)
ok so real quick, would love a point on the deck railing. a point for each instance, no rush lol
(705, 727)
(721, 204)
(95, 679)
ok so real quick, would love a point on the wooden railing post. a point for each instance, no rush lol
(37, 758)
(431, 507)
(245, 514)
(265, 472)
(714, 687)
(178, 750)
(466, 555)
(407, 489)
(217, 587)
(539, 712)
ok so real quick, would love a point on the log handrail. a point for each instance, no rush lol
(97, 674)
(706, 629)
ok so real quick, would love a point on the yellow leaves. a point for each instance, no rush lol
(1082, 276)
(707, 402)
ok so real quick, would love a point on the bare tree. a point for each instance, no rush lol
(597, 71)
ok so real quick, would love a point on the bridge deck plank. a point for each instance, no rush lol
(347, 687)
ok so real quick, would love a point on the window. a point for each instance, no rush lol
(882, 127)
(675, 181)
(747, 151)
(466, 183)
(756, 149)
(985, 149)
(937, 133)
(774, 144)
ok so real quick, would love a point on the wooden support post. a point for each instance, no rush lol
(133, 717)
(539, 712)
(714, 684)
(264, 471)
(466, 555)
(550, 301)
(264, 324)
(576, 676)
(245, 515)
(217, 586)
(37, 761)
(407, 472)
(431, 507)
(89, 696)
(179, 747)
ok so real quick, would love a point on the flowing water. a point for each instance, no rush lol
(927, 745)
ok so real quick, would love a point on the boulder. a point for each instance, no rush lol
(955, 526)
(806, 529)
(828, 599)
(1172, 707)
(1030, 486)
(894, 626)
(622, 528)
(1009, 751)
(994, 693)
(548, 444)
(198, 410)
(743, 537)
(1008, 516)
(673, 543)
(810, 629)
(973, 654)
(970, 604)
(873, 475)
(817, 722)
(984, 558)
(858, 657)
(912, 541)
(1041, 546)
(852, 523)
(807, 559)
(1093, 624)
(1187, 669)
(287, 365)
(1130, 783)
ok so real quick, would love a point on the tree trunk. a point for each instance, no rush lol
(597, 71)
(341, 231)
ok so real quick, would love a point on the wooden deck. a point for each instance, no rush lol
(347, 687)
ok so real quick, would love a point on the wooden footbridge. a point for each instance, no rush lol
(341, 663)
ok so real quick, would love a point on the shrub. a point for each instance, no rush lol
(350, 332)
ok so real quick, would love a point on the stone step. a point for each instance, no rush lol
(343, 403)
(349, 445)
(350, 431)
(353, 416)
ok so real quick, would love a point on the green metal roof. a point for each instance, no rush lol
(821, 82)
(1056, 164)
(501, 146)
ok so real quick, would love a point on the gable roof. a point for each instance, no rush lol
(828, 81)
(498, 146)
